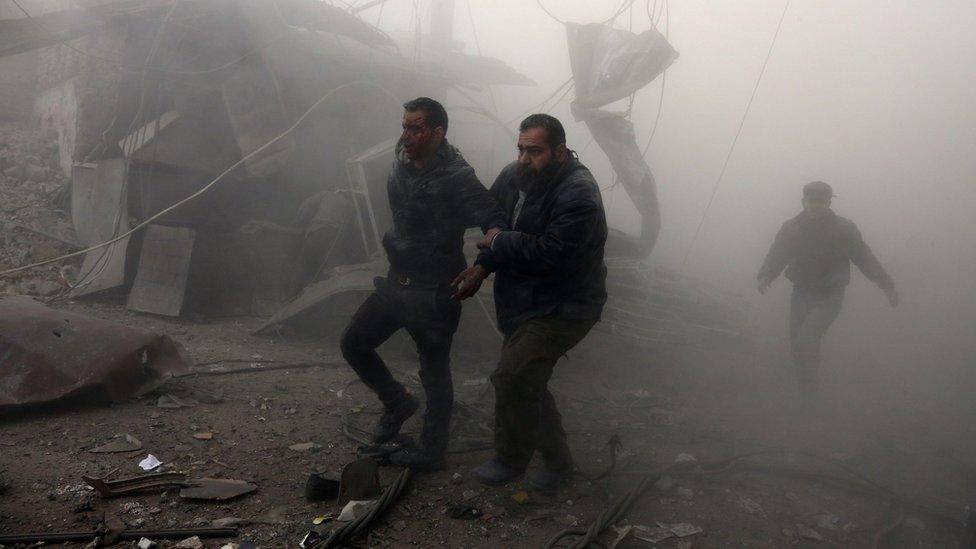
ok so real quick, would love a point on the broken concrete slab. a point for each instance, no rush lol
(164, 267)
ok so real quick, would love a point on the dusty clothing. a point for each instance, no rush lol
(431, 209)
(551, 263)
(817, 253)
(811, 314)
(526, 418)
(431, 317)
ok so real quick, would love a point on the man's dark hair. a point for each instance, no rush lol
(434, 112)
(555, 134)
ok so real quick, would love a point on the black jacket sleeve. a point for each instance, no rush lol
(574, 217)
(778, 256)
(475, 204)
(862, 256)
(485, 257)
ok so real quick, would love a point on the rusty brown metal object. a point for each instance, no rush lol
(145, 483)
(47, 355)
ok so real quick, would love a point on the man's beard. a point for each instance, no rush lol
(528, 178)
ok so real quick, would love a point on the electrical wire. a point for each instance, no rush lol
(209, 185)
(664, 75)
(569, 82)
(549, 13)
(735, 139)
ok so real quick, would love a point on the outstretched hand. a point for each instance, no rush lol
(468, 282)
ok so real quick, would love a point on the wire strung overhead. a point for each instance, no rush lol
(626, 4)
(735, 139)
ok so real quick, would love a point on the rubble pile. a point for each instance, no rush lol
(34, 210)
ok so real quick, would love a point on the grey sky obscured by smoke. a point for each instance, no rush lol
(874, 96)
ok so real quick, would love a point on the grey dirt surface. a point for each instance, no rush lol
(665, 406)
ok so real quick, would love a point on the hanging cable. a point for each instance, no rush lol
(549, 13)
(209, 185)
(664, 77)
(477, 45)
(735, 139)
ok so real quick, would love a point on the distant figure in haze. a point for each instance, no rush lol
(434, 195)
(816, 248)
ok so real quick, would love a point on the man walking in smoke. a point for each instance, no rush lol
(550, 288)
(816, 248)
(434, 195)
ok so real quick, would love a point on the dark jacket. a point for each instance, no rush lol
(551, 262)
(431, 209)
(817, 254)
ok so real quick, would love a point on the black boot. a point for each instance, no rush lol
(547, 479)
(393, 418)
(428, 455)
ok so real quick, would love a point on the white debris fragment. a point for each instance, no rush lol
(150, 463)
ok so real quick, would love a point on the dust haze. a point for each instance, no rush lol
(874, 97)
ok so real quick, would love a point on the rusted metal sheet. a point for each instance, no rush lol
(47, 355)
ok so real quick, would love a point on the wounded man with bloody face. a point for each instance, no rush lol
(550, 288)
(434, 196)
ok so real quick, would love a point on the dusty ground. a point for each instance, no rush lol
(882, 461)
(710, 405)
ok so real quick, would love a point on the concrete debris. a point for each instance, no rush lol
(230, 522)
(355, 509)
(190, 543)
(146, 543)
(827, 521)
(751, 506)
(216, 489)
(149, 463)
(305, 446)
(128, 443)
(806, 532)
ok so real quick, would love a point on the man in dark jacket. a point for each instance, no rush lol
(434, 195)
(550, 288)
(816, 248)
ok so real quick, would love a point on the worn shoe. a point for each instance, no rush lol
(418, 460)
(393, 418)
(494, 473)
(547, 480)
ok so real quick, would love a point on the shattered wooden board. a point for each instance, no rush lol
(164, 266)
(98, 213)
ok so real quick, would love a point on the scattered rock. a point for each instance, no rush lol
(304, 446)
(230, 522)
(146, 543)
(190, 543)
(456, 478)
(806, 532)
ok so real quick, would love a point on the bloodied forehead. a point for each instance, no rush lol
(415, 118)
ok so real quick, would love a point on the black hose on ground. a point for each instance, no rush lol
(351, 529)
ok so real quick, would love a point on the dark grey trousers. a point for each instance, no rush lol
(431, 317)
(812, 311)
